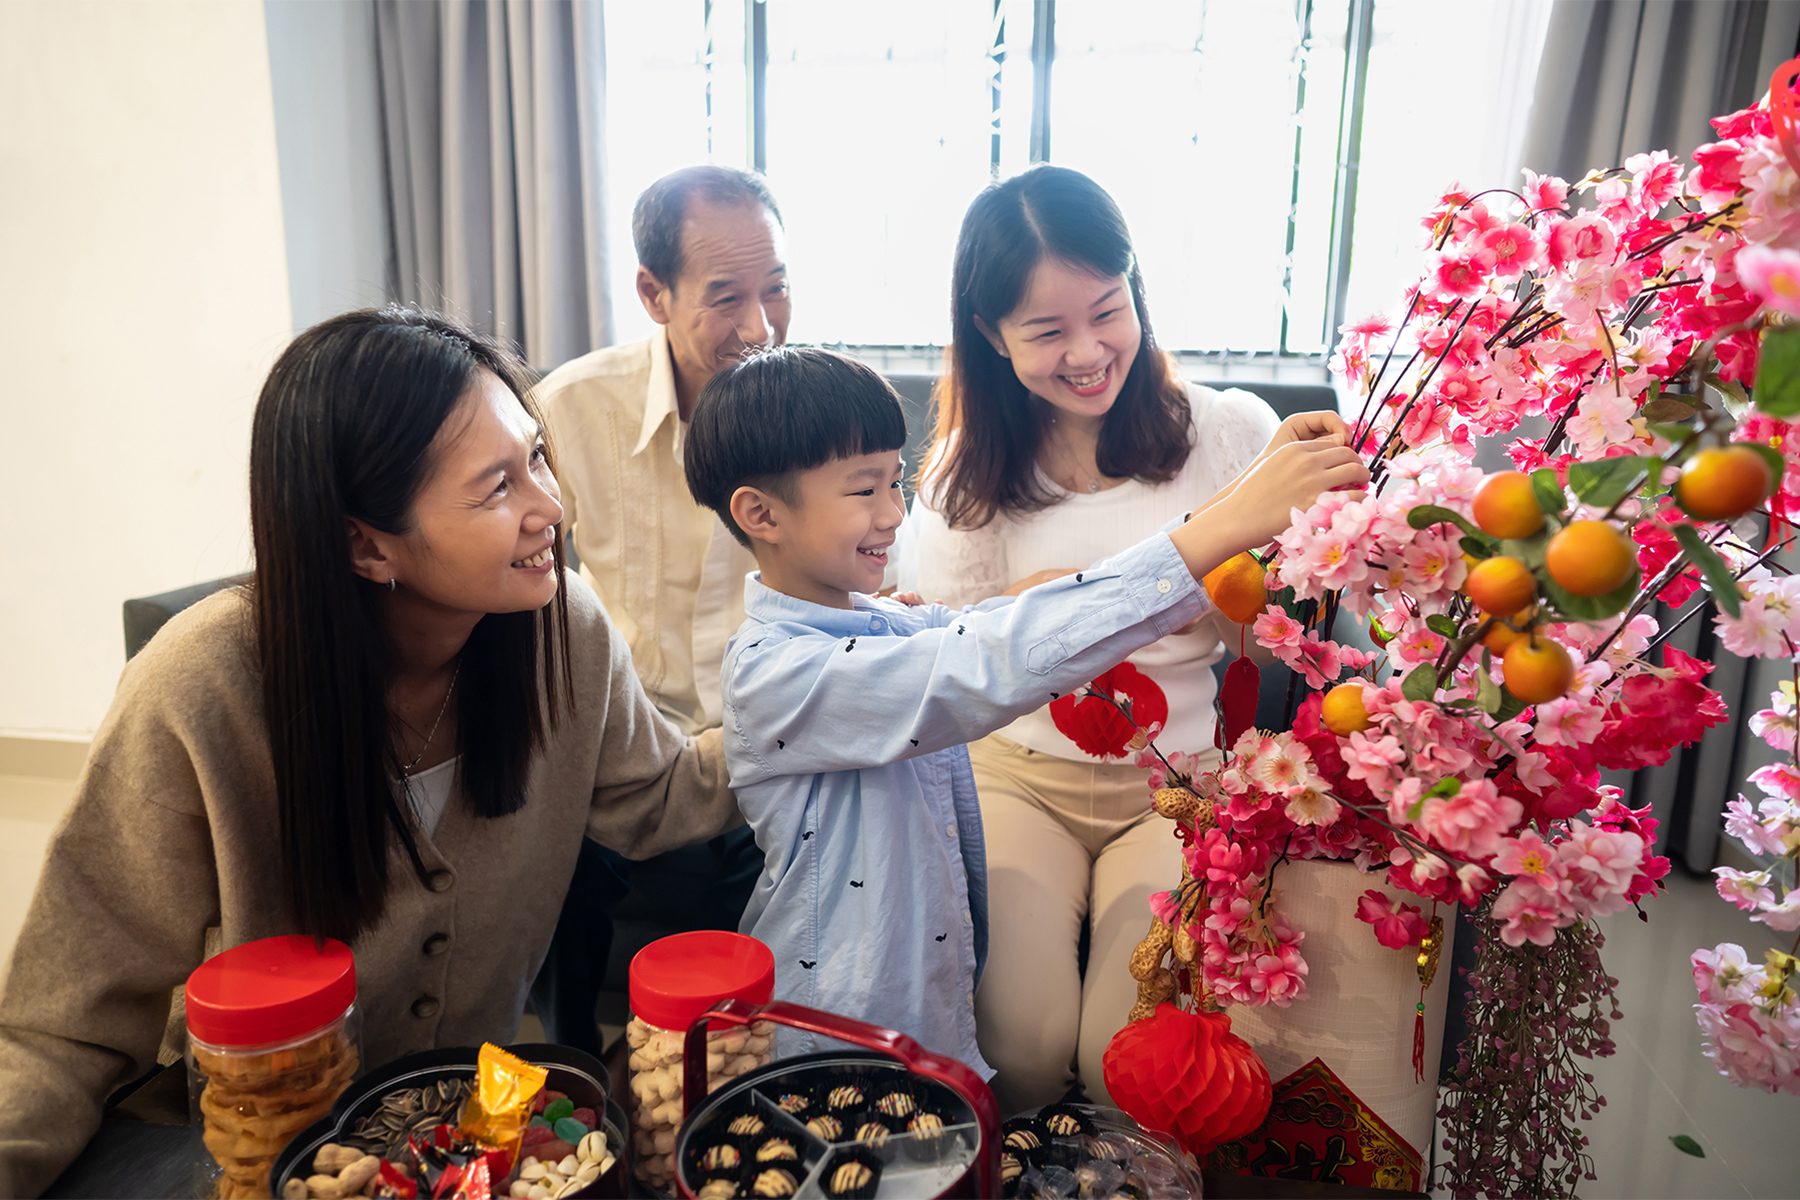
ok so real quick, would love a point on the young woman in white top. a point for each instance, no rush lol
(1064, 433)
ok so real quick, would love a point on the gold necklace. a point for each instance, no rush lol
(406, 769)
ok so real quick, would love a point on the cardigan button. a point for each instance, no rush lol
(440, 881)
(425, 1007)
(1164, 586)
(436, 944)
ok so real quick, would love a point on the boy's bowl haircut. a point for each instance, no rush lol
(780, 411)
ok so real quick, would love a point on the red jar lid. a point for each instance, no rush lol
(271, 990)
(676, 979)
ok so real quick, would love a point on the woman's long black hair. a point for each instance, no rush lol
(985, 445)
(344, 428)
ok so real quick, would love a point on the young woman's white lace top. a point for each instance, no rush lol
(964, 566)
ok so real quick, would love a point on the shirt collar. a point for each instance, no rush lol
(764, 603)
(659, 398)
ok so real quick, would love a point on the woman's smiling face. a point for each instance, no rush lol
(1072, 337)
(485, 520)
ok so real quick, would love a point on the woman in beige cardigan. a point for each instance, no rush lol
(396, 734)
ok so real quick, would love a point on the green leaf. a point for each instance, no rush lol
(1427, 515)
(1549, 491)
(1687, 1145)
(1477, 547)
(1736, 398)
(1440, 623)
(1671, 407)
(1510, 707)
(1444, 788)
(1421, 683)
(1592, 608)
(1604, 483)
(1487, 692)
(1718, 575)
(1778, 373)
(1673, 434)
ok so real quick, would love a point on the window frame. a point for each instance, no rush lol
(1280, 363)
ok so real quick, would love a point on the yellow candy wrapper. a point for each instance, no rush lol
(500, 1107)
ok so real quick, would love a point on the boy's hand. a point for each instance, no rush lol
(910, 599)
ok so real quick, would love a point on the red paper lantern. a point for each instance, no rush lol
(1186, 1074)
(1097, 725)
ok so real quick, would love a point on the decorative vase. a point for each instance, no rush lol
(1359, 1014)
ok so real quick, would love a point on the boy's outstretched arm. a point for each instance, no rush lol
(810, 703)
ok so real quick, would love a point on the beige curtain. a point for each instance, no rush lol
(492, 121)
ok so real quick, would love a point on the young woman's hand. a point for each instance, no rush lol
(1031, 581)
(1287, 477)
(1310, 426)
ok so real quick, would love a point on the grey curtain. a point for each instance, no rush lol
(492, 114)
(1619, 77)
(1622, 76)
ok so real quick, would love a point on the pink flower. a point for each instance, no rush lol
(1772, 276)
(1312, 806)
(1527, 913)
(1568, 721)
(1394, 927)
(1656, 177)
(1602, 419)
(1514, 249)
(1461, 274)
(1717, 175)
(1165, 906)
(1545, 193)
(1750, 1048)
(1471, 821)
(1275, 628)
(1748, 890)
(1281, 765)
(1784, 916)
(1768, 620)
(1585, 238)
(1600, 866)
(1720, 973)
(1529, 856)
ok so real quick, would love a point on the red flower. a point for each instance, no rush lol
(1096, 724)
(1394, 927)
(1657, 548)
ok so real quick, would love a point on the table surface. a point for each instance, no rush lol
(138, 1152)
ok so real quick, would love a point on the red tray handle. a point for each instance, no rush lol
(920, 1061)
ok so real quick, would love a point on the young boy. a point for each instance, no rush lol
(846, 715)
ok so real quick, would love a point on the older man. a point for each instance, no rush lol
(712, 274)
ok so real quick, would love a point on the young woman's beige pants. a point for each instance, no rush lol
(1067, 843)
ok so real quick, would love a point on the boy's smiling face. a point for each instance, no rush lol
(833, 537)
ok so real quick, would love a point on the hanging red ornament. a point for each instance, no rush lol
(1237, 699)
(1186, 1074)
(1095, 723)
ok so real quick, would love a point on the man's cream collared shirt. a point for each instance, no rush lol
(670, 576)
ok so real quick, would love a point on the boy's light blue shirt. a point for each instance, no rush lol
(846, 737)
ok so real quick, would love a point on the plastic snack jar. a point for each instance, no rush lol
(675, 980)
(273, 1037)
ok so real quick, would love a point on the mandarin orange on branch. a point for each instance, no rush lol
(1723, 483)
(1237, 587)
(1537, 669)
(1342, 711)
(1501, 585)
(1589, 558)
(1506, 507)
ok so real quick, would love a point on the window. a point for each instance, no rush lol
(1229, 131)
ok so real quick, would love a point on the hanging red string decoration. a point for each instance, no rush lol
(1095, 722)
(1186, 1074)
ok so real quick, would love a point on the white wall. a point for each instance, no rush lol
(143, 295)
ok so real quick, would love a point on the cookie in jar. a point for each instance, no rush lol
(273, 1036)
(674, 981)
